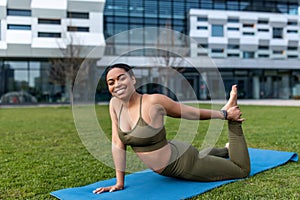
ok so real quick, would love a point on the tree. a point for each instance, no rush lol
(178, 48)
(64, 68)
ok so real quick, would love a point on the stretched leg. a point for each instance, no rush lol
(213, 168)
(191, 166)
(238, 151)
(219, 152)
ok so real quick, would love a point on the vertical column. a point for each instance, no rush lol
(203, 84)
(269, 88)
(256, 87)
(285, 93)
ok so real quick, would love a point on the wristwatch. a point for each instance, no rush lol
(224, 112)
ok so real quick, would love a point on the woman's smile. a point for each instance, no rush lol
(120, 91)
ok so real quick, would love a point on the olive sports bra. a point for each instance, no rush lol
(143, 137)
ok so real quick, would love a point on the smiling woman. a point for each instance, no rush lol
(138, 121)
(118, 82)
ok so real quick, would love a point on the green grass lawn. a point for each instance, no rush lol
(40, 151)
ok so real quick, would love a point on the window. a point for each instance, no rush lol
(292, 31)
(262, 47)
(217, 50)
(18, 27)
(192, 4)
(292, 23)
(244, 4)
(78, 15)
(205, 46)
(248, 33)
(233, 29)
(202, 19)
(201, 54)
(248, 25)
(233, 20)
(293, 9)
(151, 8)
(262, 21)
(201, 27)
(263, 56)
(78, 29)
(137, 8)
(292, 48)
(277, 33)
(233, 46)
(232, 5)
(49, 35)
(136, 20)
(206, 4)
(178, 9)
(18, 12)
(164, 8)
(263, 30)
(150, 21)
(219, 5)
(283, 7)
(278, 52)
(292, 56)
(217, 31)
(18, 72)
(248, 54)
(235, 55)
(49, 21)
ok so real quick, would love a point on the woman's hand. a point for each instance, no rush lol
(234, 114)
(108, 189)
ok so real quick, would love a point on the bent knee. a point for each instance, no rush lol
(245, 172)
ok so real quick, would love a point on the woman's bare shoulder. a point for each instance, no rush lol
(115, 103)
(156, 98)
(153, 98)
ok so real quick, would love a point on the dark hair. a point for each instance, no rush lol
(126, 67)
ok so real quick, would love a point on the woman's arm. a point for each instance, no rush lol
(119, 155)
(178, 110)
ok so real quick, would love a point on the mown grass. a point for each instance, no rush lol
(40, 151)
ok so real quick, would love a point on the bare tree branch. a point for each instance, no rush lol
(63, 70)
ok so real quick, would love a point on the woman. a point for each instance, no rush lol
(137, 120)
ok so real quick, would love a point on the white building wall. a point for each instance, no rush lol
(252, 32)
(30, 43)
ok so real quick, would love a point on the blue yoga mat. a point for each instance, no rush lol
(150, 185)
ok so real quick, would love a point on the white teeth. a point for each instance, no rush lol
(120, 91)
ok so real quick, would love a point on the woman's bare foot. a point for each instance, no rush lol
(227, 145)
(233, 111)
(232, 101)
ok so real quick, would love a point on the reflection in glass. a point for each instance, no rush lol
(217, 30)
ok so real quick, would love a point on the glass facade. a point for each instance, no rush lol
(122, 15)
(217, 30)
(31, 76)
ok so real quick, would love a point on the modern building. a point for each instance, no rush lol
(254, 44)
(259, 51)
(33, 32)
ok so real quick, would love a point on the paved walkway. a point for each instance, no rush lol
(263, 102)
(272, 102)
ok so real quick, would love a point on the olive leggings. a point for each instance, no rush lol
(214, 165)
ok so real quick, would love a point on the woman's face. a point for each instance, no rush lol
(120, 83)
